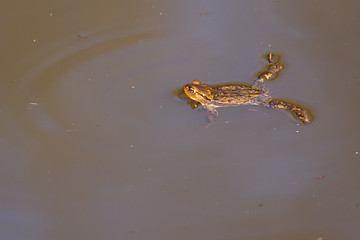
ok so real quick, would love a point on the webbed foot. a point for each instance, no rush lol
(272, 59)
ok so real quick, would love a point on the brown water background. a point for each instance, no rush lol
(95, 144)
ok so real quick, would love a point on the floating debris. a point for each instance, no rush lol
(82, 36)
(320, 177)
(72, 130)
(34, 103)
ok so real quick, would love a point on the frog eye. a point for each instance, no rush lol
(191, 90)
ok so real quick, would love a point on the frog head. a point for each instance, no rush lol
(198, 91)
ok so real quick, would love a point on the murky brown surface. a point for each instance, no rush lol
(95, 144)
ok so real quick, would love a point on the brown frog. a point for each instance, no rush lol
(239, 95)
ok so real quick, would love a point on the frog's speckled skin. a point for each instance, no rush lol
(238, 95)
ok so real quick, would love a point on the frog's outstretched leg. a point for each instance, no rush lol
(297, 111)
(211, 116)
(273, 68)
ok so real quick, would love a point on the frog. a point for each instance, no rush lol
(232, 95)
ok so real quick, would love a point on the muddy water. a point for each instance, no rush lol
(94, 143)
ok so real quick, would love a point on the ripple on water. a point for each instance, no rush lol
(80, 90)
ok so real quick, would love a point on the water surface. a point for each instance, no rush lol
(95, 144)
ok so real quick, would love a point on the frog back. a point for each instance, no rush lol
(234, 92)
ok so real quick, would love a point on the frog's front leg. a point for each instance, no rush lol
(298, 112)
(193, 104)
(211, 116)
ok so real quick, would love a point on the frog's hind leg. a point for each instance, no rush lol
(298, 112)
(273, 69)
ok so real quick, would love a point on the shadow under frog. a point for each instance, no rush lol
(212, 97)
